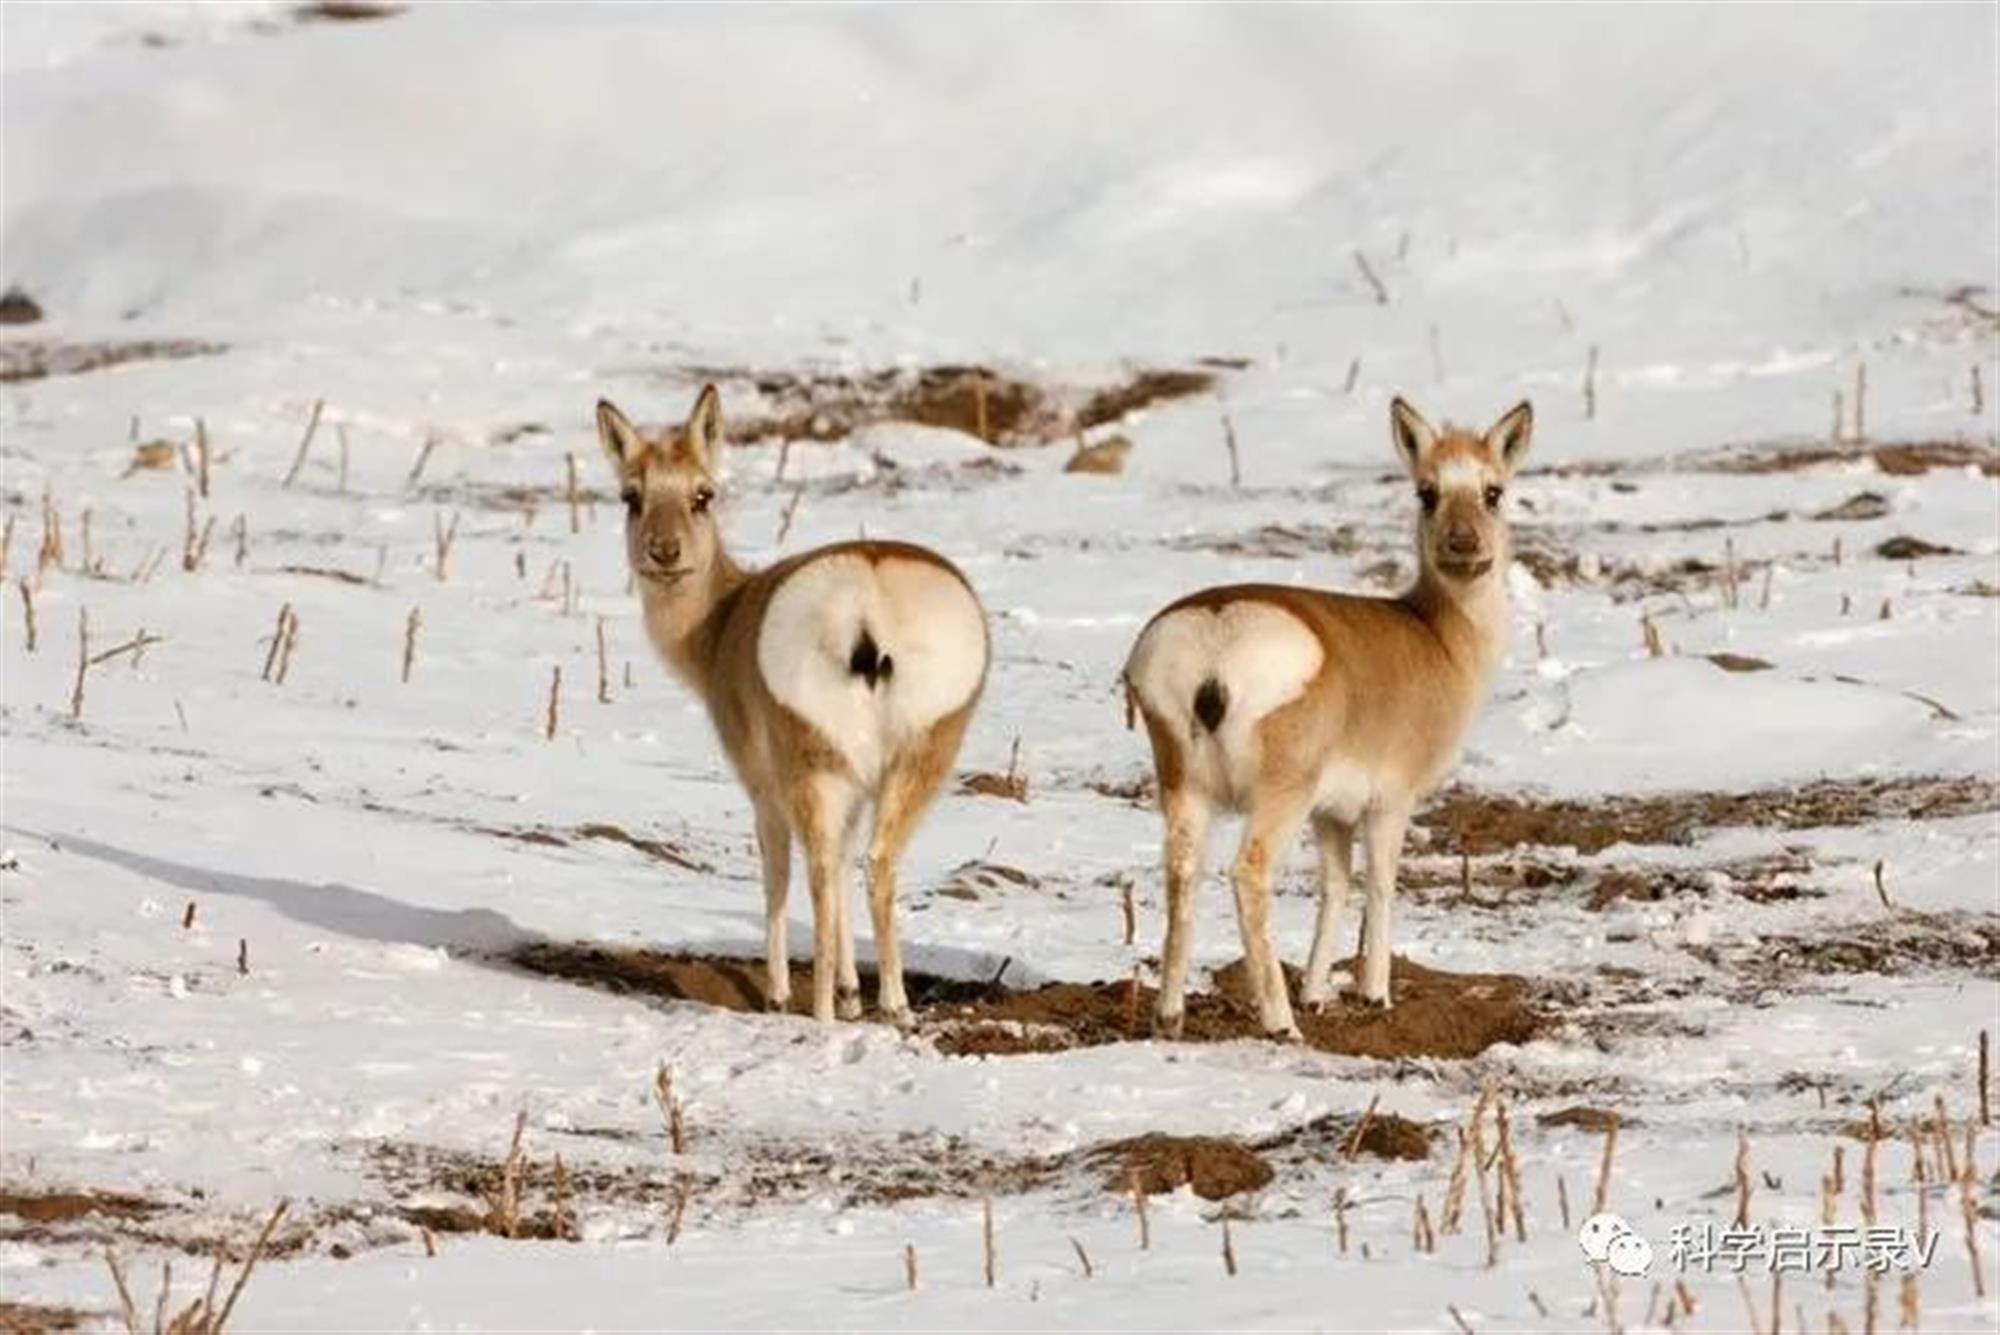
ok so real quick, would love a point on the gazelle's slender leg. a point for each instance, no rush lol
(912, 782)
(1336, 859)
(1385, 826)
(1186, 846)
(1268, 831)
(774, 845)
(825, 820)
(847, 994)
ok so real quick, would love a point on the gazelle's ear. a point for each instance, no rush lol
(620, 437)
(1508, 438)
(1412, 434)
(703, 436)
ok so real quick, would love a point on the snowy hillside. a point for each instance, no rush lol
(311, 897)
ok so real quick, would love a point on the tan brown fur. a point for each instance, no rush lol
(1374, 728)
(704, 614)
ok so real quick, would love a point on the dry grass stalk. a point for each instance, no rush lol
(202, 1316)
(1731, 581)
(1887, 613)
(1454, 1191)
(1458, 1318)
(423, 457)
(1978, 392)
(287, 643)
(1562, 1200)
(443, 536)
(670, 1108)
(1510, 1174)
(305, 442)
(1229, 441)
(791, 512)
(82, 661)
(242, 957)
(986, 1241)
(1353, 1145)
(503, 1215)
(201, 457)
(1868, 1159)
(277, 638)
(1649, 631)
(187, 917)
(573, 493)
(784, 458)
(91, 565)
(1682, 1292)
(1839, 417)
(1132, 1004)
(1742, 1179)
(1871, 1302)
(1764, 594)
(1860, 401)
(1083, 1259)
(1755, 1322)
(681, 1193)
(1590, 386)
(1777, 1301)
(1146, 1227)
(7, 544)
(1353, 376)
(910, 1266)
(1985, 1081)
(1340, 1217)
(1909, 1312)
(1373, 279)
(241, 529)
(340, 434)
(603, 668)
(1948, 1156)
(1125, 902)
(125, 1305)
(411, 624)
(430, 1240)
(194, 543)
(1604, 1168)
(1228, 1250)
(1535, 1301)
(1968, 1206)
(982, 425)
(51, 553)
(28, 612)
(561, 1222)
(1422, 1236)
(1829, 1191)
(1486, 1209)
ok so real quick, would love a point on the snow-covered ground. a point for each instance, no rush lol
(466, 223)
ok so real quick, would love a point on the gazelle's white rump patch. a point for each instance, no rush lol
(921, 617)
(1259, 654)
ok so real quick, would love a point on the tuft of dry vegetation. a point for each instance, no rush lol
(35, 360)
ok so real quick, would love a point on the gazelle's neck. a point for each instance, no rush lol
(682, 617)
(1469, 616)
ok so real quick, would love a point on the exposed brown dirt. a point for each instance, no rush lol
(62, 1207)
(1384, 1136)
(30, 1318)
(978, 400)
(1584, 1117)
(1215, 1166)
(1437, 1014)
(1729, 662)
(1862, 505)
(1280, 542)
(1897, 943)
(1905, 459)
(33, 360)
(1903, 547)
(346, 11)
(17, 307)
(1476, 822)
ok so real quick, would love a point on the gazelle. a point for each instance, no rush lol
(1294, 705)
(837, 679)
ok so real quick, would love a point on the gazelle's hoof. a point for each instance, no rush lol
(1285, 1034)
(1168, 1026)
(899, 1016)
(777, 1005)
(847, 1003)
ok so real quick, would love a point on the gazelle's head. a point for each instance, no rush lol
(667, 482)
(1461, 486)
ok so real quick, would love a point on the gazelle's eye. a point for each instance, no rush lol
(1493, 495)
(702, 499)
(1427, 496)
(631, 498)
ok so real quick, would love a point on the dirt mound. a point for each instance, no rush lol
(1907, 459)
(1383, 1135)
(1584, 1118)
(1466, 820)
(1215, 1166)
(977, 400)
(1437, 1014)
(62, 1207)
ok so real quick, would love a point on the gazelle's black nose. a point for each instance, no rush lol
(665, 552)
(1462, 542)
